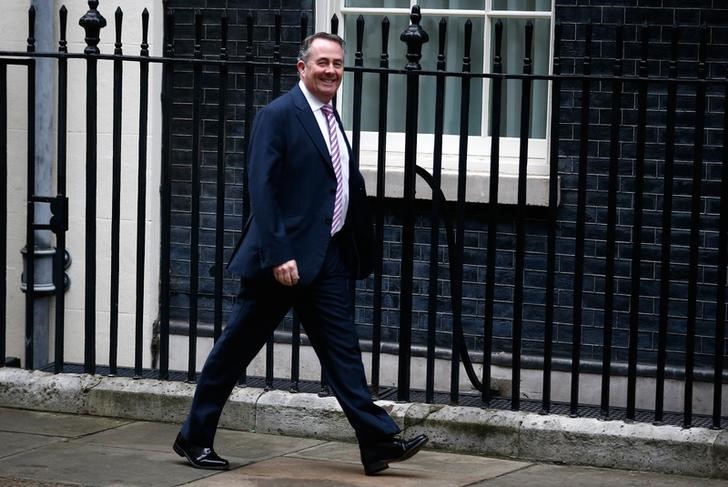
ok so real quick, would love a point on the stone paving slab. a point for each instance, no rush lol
(543, 475)
(14, 443)
(244, 447)
(10, 482)
(337, 464)
(238, 447)
(101, 452)
(137, 435)
(87, 464)
(54, 424)
(289, 471)
(464, 468)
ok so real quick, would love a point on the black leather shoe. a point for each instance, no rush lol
(198, 456)
(378, 456)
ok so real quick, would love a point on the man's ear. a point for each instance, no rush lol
(300, 66)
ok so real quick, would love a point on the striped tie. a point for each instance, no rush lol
(336, 222)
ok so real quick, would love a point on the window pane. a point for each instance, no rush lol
(372, 50)
(512, 56)
(454, 50)
(397, 83)
(523, 5)
(453, 4)
(378, 3)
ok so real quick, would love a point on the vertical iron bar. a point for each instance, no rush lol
(408, 221)
(456, 283)
(92, 22)
(324, 391)
(695, 230)
(548, 336)
(142, 193)
(380, 207)
(614, 146)
(666, 228)
(296, 324)
(720, 300)
(526, 85)
(277, 57)
(249, 111)
(91, 157)
(637, 227)
(358, 81)
(116, 201)
(269, 345)
(30, 216)
(357, 107)
(166, 197)
(414, 36)
(3, 208)
(220, 181)
(580, 223)
(59, 266)
(436, 211)
(495, 121)
(195, 192)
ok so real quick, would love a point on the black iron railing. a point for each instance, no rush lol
(565, 223)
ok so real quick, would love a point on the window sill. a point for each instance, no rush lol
(478, 181)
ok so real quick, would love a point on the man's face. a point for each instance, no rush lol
(322, 71)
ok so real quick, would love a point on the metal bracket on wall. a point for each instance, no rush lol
(58, 224)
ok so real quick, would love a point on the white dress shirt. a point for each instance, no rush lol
(316, 105)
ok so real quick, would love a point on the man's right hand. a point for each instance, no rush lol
(286, 273)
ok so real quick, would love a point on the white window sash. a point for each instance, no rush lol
(478, 158)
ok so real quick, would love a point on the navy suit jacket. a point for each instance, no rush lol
(292, 189)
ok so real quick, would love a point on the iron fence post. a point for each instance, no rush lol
(414, 36)
(92, 22)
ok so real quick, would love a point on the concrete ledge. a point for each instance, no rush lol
(65, 393)
(148, 399)
(511, 434)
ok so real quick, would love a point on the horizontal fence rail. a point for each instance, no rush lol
(621, 275)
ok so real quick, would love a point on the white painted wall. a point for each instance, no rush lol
(13, 35)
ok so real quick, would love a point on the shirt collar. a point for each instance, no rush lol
(313, 102)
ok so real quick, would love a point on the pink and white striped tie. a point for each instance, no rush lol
(336, 222)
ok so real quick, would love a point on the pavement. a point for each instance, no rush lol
(44, 449)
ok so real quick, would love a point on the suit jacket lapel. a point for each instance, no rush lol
(307, 120)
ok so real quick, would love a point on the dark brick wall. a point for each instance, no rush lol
(659, 15)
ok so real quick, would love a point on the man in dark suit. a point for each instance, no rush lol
(308, 237)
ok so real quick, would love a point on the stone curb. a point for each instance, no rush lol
(510, 434)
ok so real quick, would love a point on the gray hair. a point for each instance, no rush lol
(305, 50)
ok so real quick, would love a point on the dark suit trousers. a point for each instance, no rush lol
(326, 311)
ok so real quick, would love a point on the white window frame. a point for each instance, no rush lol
(478, 182)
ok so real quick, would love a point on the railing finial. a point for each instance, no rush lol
(92, 22)
(414, 36)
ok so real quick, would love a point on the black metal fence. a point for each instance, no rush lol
(566, 227)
